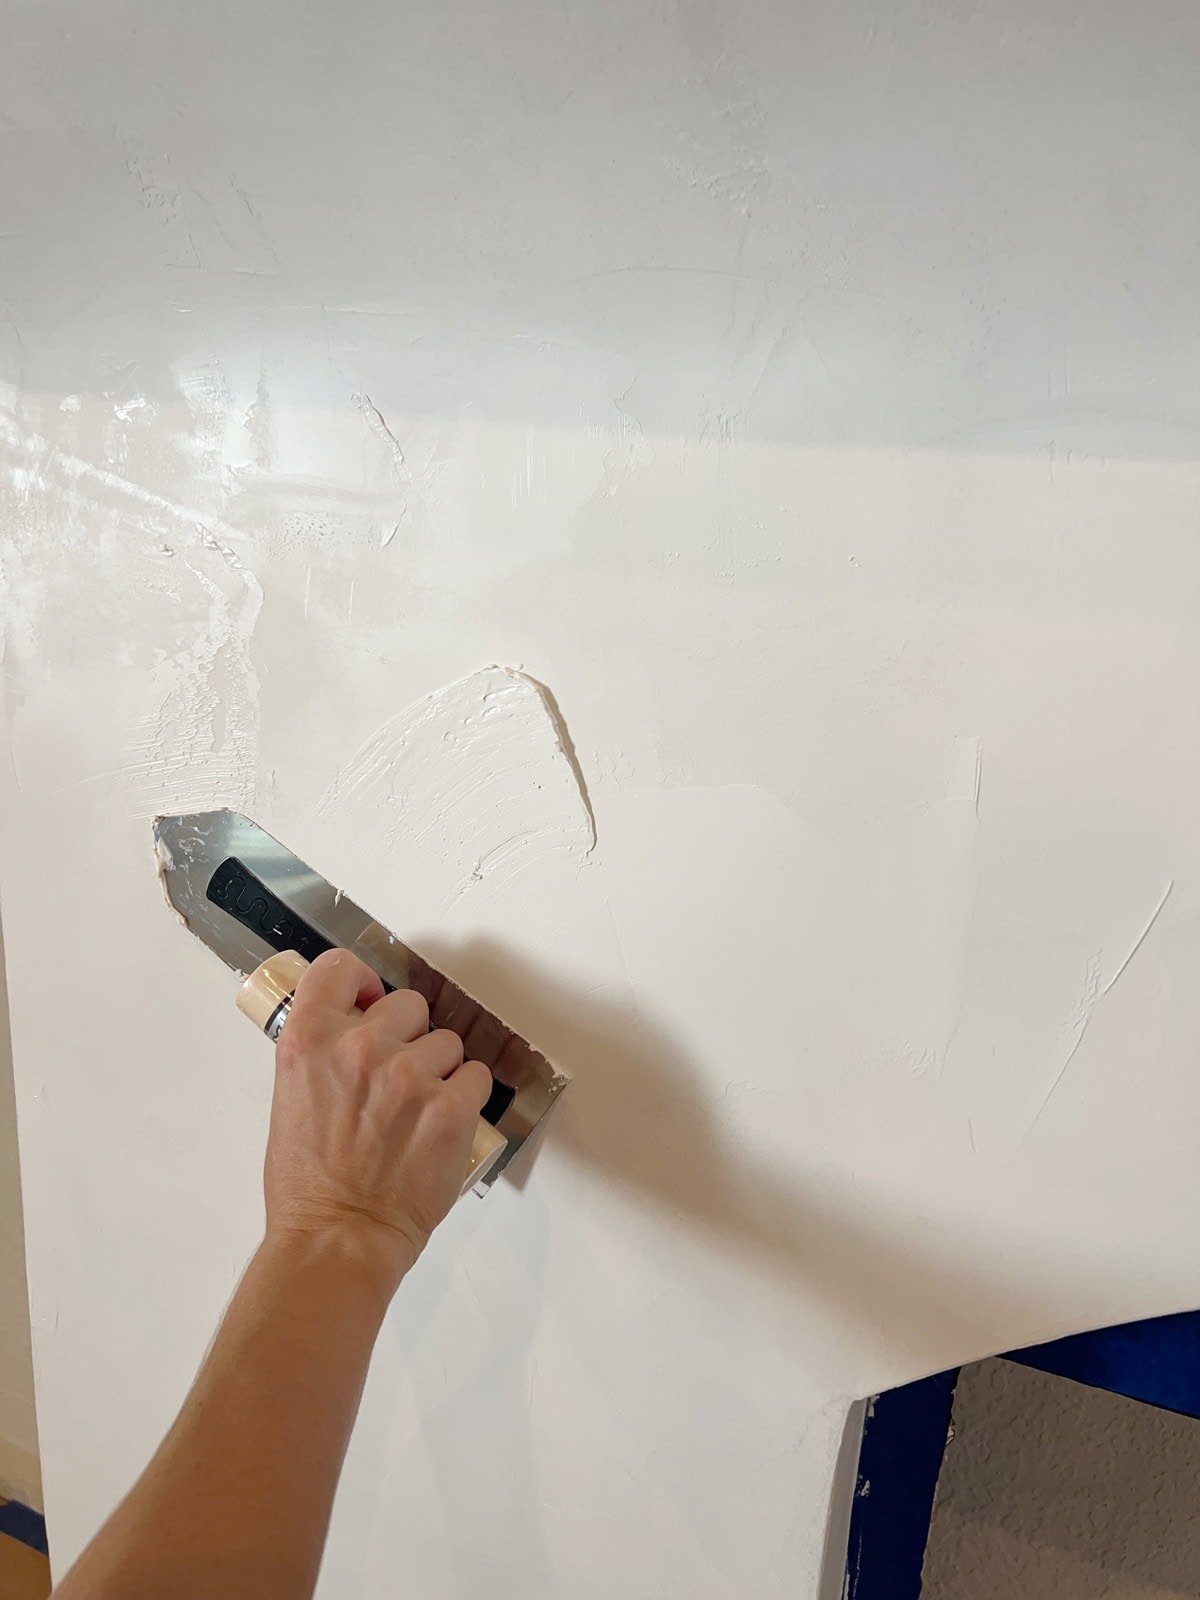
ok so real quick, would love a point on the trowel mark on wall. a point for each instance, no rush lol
(472, 780)
(199, 743)
(377, 425)
(1093, 993)
(158, 193)
(34, 463)
(199, 746)
(563, 739)
(1141, 938)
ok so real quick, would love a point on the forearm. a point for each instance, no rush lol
(371, 1126)
(236, 1502)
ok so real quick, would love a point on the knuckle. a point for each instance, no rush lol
(405, 1073)
(399, 1018)
(447, 1041)
(299, 1037)
(357, 1050)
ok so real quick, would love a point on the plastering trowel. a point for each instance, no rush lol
(267, 915)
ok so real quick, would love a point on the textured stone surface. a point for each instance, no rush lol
(1053, 1491)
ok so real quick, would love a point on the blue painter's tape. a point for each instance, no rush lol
(24, 1524)
(1156, 1361)
(899, 1460)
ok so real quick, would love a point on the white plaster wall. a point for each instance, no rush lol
(1053, 1491)
(807, 398)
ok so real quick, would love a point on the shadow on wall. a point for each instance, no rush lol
(638, 1118)
(20, 1475)
(635, 1115)
(903, 226)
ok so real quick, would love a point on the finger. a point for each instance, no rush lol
(453, 1009)
(340, 981)
(438, 1053)
(486, 1038)
(471, 1084)
(513, 1061)
(398, 1018)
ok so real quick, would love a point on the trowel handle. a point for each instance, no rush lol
(266, 998)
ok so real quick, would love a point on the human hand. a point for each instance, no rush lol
(372, 1116)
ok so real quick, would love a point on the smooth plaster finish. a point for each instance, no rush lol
(806, 399)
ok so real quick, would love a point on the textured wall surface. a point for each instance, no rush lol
(1053, 1491)
(807, 397)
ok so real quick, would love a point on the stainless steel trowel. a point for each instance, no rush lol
(267, 914)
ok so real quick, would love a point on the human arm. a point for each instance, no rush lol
(371, 1126)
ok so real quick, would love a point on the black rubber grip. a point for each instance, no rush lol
(247, 899)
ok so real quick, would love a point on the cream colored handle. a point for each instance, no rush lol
(266, 995)
(266, 998)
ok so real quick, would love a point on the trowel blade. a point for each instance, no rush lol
(245, 895)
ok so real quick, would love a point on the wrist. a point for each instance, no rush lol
(360, 1255)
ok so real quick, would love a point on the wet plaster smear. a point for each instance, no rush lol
(690, 515)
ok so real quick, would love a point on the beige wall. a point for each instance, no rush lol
(1053, 1491)
(20, 1478)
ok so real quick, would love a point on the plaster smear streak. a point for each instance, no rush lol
(199, 746)
(469, 785)
(197, 742)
